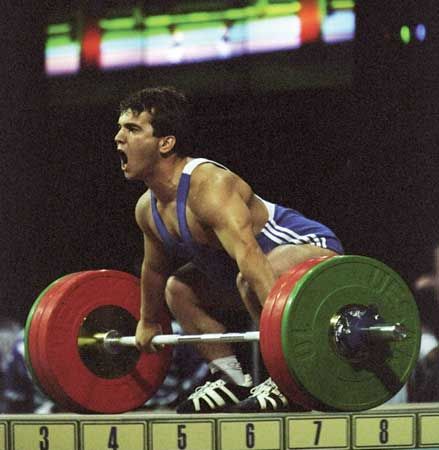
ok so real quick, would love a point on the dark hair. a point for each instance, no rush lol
(169, 109)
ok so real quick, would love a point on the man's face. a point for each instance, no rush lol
(138, 148)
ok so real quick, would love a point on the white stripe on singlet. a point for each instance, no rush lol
(282, 235)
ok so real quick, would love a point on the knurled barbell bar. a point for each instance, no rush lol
(112, 340)
(349, 338)
(339, 333)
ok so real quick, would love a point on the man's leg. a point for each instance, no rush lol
(184, 305)
(282, 259)
(189, 298)
(267, 396)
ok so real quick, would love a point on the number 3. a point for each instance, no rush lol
(44, 433)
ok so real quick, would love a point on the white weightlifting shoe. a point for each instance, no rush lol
(265, 397)
(216, 395)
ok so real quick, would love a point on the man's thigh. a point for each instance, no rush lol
(225, 305)
(285, 257)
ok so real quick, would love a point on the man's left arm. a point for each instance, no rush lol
(222, 208)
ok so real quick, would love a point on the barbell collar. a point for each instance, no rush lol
(357, 329)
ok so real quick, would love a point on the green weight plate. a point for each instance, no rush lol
(271, 339)
(309, 348)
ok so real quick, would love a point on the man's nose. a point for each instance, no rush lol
(119, 137)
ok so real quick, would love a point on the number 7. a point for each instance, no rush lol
(318, 431)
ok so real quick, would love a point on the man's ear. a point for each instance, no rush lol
(166, 146)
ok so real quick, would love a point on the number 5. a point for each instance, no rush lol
(181, 437)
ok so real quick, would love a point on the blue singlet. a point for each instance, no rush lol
(284, 226)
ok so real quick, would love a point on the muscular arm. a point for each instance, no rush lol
(153, 281)
(155, 271)
(220, 203)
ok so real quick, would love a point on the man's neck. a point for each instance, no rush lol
(164, 182)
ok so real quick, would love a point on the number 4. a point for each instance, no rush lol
(112, 439)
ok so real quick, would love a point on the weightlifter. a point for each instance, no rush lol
(210, 244)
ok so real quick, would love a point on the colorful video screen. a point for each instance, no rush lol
(194, 32)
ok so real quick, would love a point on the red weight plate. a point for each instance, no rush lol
(271, 340)
(64, 367)
(34, 343)
(32, 338)
(30, 327)
(57, 392)
(48, 368)
(36, 346)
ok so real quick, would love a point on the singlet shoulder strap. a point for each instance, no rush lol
(194, 163)
(182, 193)
(166, 237)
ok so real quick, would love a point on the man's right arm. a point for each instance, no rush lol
(155, 272)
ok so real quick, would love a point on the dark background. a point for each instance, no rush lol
(359, 154)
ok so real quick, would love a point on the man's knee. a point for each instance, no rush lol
(176, 292)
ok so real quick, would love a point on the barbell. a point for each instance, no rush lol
(112, 340)
(336, 333)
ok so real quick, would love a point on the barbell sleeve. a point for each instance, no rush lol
(386, 332)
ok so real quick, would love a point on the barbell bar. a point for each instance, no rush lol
(111, 340)
(339, 333)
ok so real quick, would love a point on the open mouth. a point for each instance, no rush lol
(123, 159)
